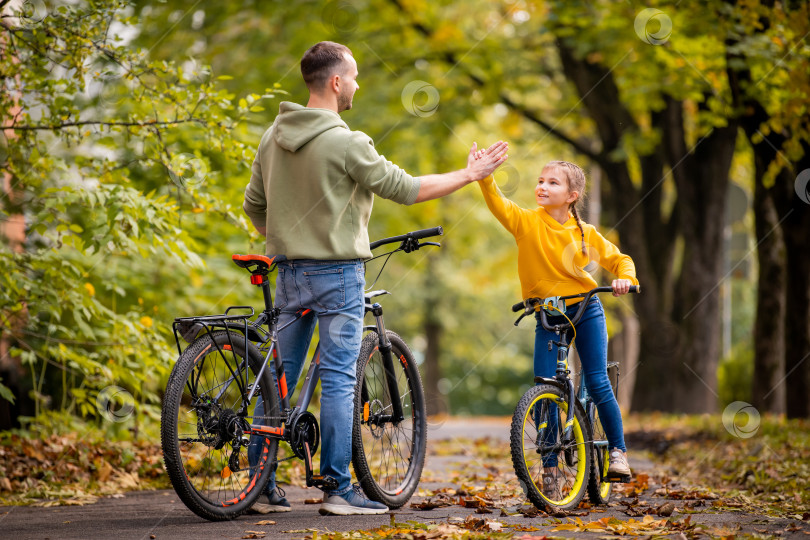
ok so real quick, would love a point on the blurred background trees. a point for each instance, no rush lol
(129, 129)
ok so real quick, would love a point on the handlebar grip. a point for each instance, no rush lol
(517, 307)
(427, 233)
(635, 288)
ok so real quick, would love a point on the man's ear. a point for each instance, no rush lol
(333, 83)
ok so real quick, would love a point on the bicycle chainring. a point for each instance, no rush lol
(305, 430)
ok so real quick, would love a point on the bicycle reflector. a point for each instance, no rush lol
(256, 279)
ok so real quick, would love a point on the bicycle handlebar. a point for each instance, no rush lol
(415, 235)
(529, 304)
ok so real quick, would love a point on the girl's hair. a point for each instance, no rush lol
(576, 182)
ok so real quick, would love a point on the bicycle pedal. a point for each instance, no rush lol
(322, 482)
(618, 478)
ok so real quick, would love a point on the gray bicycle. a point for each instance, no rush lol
(233, 359)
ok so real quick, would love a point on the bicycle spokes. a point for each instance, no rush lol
(550, 449)
(388, 448)
(206, 425)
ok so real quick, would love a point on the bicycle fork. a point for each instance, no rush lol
(388, 365)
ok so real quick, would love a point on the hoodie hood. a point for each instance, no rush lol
(296, 125)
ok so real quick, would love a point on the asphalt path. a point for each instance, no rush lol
(161, 515)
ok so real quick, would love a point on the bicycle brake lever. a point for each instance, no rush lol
(430, 244)
(517, 322)
(410, 244)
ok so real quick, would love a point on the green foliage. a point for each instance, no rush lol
(119, 164)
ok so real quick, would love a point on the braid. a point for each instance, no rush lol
(573, 209)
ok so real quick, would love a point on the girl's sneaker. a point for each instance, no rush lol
(618, 464)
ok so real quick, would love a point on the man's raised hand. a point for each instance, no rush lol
(482, 163)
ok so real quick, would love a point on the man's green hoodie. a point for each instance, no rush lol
(313, 183)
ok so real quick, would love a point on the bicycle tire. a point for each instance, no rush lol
(388, 459)
(212, 478)
(598, 491)
(530, 444)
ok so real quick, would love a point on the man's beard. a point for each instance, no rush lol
(344, 102)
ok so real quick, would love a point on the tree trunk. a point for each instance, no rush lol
(768, 390)
(435, 401)
(795, 226)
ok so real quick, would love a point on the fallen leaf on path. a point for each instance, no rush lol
(265, 522)
(665, 509)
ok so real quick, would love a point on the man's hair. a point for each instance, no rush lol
(321, 61)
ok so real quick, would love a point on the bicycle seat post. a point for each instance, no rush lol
(267, 294)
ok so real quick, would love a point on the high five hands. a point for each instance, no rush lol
(482, 163)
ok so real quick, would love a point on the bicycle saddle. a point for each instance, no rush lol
(262, 263)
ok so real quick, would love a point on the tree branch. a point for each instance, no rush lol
(150, 123)
(531, 116)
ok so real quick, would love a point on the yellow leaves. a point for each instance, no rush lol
(146, 321)
(197, 210)
(90, 289)
(647, 526)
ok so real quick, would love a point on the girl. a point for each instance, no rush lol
(556, 252)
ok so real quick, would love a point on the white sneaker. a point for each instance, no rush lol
(618, 464)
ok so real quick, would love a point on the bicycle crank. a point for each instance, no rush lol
(305, 433)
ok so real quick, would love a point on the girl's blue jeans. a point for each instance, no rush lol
(591, 343)
(333, 290)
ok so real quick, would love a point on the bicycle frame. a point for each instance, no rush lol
(269, 317)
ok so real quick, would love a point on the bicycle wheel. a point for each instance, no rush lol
(540, 447)
(203, 424)
(598, 491)
(388, 456)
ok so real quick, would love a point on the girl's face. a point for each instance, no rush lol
(552, 191)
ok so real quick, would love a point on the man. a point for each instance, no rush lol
(310, 193)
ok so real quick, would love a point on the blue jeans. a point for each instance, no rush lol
(591, 343)
(333, 290)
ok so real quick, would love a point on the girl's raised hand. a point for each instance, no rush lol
(621, 286)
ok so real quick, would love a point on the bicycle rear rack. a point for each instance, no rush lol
(190, 327)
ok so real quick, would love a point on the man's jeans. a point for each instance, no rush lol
(591, 343)
(333, 290)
